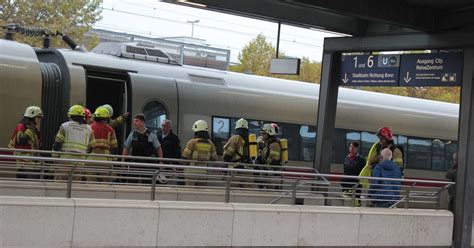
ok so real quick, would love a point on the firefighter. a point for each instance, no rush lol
(199, 148)
(237, 150)
(270, 155)
(74, 136)
(88, 116)
(27, 136)
(105, 141)
(117, 121)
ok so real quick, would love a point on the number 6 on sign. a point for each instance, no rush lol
(370, 61)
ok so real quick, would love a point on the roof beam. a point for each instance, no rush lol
(457, 19)
(399, 13)
(286, 12)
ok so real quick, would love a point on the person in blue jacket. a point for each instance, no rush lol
(388, 192)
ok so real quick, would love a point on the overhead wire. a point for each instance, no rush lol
(211, 27)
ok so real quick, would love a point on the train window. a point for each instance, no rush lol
(155, 112)
(403, 143)
(255, 126)
(352, 136)
(290, 132)
(220, 132)
(307, 140)
(437, 163)
(451, 148)
(368, 139)
(419, 154)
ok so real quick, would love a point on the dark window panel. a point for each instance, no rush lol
(155, 113)
(419, 154)
(307, 140)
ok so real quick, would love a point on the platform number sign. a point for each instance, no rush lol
(431, 69)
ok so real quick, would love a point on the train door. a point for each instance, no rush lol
(157, 98)
(104, 86)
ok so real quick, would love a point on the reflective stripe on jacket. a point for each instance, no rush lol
(75, 137)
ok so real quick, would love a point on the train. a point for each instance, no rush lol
(139, 78)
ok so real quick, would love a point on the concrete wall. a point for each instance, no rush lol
(58, 222)
(49, 189)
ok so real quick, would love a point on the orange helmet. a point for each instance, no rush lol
(385, 132)
(88, 113)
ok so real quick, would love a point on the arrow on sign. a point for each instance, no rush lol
(345, 79)
(407, 78)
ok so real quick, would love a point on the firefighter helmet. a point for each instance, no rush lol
(385, 132)
(241, 123)
(200, 125)
(76, 110)
(109, 108)
(33, 111)
(101, 112)
(87, 113)
(268, 129)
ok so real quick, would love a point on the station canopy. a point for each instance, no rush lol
(355, 17)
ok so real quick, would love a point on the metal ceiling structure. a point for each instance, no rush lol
(355, 17)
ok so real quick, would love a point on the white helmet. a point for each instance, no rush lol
(241, 123)
(33, 111)
(200, 125)
(268, 129)
(109, 108)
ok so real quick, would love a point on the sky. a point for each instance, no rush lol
(158, 19)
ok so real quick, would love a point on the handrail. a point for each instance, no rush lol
(178, 166)
(281, 183)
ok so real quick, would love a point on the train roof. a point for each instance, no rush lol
(377, 108)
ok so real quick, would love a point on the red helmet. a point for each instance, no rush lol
(385, 132)
(275, 126)
(88, 114)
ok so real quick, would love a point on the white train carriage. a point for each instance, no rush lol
(137, 78)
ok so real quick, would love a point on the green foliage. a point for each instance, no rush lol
(74, 18)
(256, 56)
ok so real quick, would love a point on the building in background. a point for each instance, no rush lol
(185, 50)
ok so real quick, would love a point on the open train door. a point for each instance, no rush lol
(157, 98)
(108, 86)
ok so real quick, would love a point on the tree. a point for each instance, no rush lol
(73, 18)
(256, 56)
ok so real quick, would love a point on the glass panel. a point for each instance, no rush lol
(155, 113)
(451, 148)
(403, 143)
(255, 126)
(368, 139)
(438, 163)
(419, 154)
(220, 132)
(352, 136)
(307, 140)
(290, 132)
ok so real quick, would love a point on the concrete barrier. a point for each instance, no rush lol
(135, 192)
(57, 222)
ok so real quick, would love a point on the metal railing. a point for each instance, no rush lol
(277, 184)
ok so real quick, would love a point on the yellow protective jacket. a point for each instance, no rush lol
(236, 150)
(117, 121)
(373, 159)
(200, 150)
